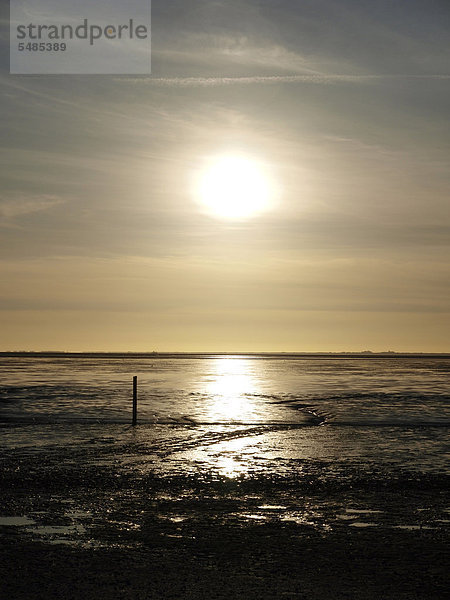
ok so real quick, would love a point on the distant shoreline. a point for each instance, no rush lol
(274, 355)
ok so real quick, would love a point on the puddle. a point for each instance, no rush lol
(78, 514)
(300, 520)
(57, 530)
(360, 511)
(54, 534)
(413, 527)
(65, 542)
(126, 525)
(16, 521)
(352, 513)
(177, 519)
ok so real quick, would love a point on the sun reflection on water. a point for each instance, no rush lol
(231, 398)
(230, 386)
(227, 466)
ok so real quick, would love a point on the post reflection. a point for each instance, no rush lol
(230, 388)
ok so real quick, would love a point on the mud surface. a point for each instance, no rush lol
(104, 521)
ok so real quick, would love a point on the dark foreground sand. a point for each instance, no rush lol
(103, 530)
(255, 562)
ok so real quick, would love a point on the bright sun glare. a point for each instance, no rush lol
(234, 187)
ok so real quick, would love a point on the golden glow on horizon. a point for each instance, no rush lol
(235, 187)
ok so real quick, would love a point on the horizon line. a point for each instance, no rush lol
(230, 353)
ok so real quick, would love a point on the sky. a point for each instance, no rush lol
(104, 245)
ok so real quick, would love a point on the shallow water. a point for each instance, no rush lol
(228, 389)
(235, 414)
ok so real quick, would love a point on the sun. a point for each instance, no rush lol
(234, 187)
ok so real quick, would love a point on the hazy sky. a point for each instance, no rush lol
(104, 245)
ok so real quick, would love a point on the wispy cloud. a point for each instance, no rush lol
(275, 79)
(235, 39)
(23, 204)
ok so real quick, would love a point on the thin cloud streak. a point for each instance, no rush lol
(274, 79)
(26, 204)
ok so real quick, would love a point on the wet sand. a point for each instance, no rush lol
(89, 521)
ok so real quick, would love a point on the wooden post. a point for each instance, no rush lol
(134, 421)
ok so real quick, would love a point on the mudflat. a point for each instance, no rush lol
(81, 524)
